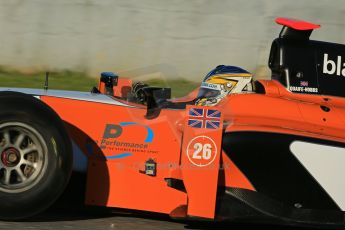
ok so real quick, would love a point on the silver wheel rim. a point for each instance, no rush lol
(23, 158)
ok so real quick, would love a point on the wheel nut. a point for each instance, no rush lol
(12, 157)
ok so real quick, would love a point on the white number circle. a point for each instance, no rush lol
(201, 151)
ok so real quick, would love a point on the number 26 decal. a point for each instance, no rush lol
(201, 151)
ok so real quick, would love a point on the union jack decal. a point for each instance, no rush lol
(204, 118)
(304, 83)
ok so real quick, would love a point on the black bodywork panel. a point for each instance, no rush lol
(307, 66)
(285, 190)
(273, 170)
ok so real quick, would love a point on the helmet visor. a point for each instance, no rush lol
(208, 93)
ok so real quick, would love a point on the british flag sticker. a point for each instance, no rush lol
(204, 118)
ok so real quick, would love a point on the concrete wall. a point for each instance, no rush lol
(175, 38)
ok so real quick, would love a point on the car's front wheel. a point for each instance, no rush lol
(35, 156)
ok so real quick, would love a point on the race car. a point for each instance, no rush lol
(264, 151)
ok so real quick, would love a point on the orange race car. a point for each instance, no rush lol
(234, 149)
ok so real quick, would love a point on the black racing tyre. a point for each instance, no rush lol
(35, 156)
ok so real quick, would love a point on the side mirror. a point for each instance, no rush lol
(108, 80)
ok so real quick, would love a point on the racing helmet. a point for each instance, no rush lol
(222, 81)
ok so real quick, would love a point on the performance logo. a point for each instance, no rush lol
(110, 142)
(204, 118)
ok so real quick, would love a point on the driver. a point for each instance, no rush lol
(222, 81)
(217, 84)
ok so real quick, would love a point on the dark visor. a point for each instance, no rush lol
(208, 93)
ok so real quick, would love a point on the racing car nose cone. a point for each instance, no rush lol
(10, 157)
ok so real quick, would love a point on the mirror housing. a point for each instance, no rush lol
(107, 81)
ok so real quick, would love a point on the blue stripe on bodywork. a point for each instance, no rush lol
(121, 155)
(150, 134)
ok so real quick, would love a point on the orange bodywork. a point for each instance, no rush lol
(281, 111)
(105, 132)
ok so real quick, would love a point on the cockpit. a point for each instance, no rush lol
(218, 83)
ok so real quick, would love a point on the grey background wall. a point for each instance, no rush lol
(150, 38)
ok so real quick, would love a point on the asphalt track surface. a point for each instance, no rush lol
(69, 213)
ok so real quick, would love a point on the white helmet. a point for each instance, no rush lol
(222, 81)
